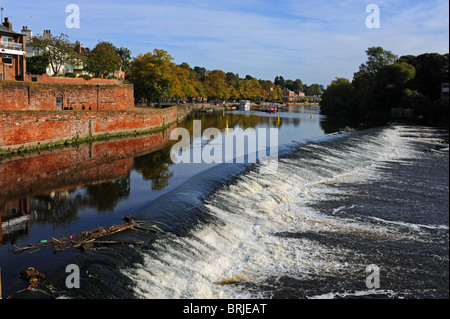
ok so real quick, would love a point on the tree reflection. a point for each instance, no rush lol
(155, 167)
(105, 196)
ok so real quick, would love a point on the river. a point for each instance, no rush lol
(336, 206)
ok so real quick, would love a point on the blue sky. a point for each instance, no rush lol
(315, 41)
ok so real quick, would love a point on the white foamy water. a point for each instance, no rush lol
(245, 245)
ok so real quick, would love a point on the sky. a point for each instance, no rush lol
(312, 40)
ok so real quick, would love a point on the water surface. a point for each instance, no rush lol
(336, 204)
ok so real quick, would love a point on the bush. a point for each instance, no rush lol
(70, 75)
(85, 76)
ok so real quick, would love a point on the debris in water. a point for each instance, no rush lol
(85, 240)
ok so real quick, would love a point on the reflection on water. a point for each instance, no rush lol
(53, 187)
(155, 167)
(73, 189)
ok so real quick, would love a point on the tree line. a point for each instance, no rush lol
(155, 76)
(386, 81)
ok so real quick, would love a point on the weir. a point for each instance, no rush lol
(336, 205)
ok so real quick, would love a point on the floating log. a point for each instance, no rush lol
(84, 239)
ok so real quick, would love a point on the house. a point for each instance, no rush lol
(68, 67)
(12, 52)
(290, 96)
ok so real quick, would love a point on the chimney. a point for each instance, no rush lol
(78, 47)
(47, 34)
(7, 23)
(27, 33)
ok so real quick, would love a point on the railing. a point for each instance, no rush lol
(11, 46)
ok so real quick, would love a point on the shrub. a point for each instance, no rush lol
(85, 76)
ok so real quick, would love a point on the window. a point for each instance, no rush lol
(7, 59)
(7, 40)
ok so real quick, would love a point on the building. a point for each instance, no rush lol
(292, 96)
(52, 92)
(13, 53)
(75, 68)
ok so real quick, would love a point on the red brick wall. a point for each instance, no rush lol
(30, 128)
(44, 78)
(42, 96)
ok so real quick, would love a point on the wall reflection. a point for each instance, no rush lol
(51, 187)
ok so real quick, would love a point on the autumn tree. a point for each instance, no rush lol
(152, 75)
(216, 86)
(185, 81)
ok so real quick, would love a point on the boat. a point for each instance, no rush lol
(272, 109)
(268, 109)
(245, 105)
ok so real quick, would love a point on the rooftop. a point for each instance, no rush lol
(4, 29)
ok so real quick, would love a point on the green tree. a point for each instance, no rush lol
(377, 57)
(432, 71)
(125, 59)
(103, 60)
(388, 87)
(58, 49)
(413, 99)
(232, 79)
(279, 80)
(201, 73)
(313, 89)
(362, 80)
(37, 64)
(335, 99)
(298, 85)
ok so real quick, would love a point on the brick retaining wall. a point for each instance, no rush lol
(16, 95)
(27, 128)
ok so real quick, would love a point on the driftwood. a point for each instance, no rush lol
(33, 276)
(84, 240)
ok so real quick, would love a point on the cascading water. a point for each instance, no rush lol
(310, 230)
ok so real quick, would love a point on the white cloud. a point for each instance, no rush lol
(312, 40)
